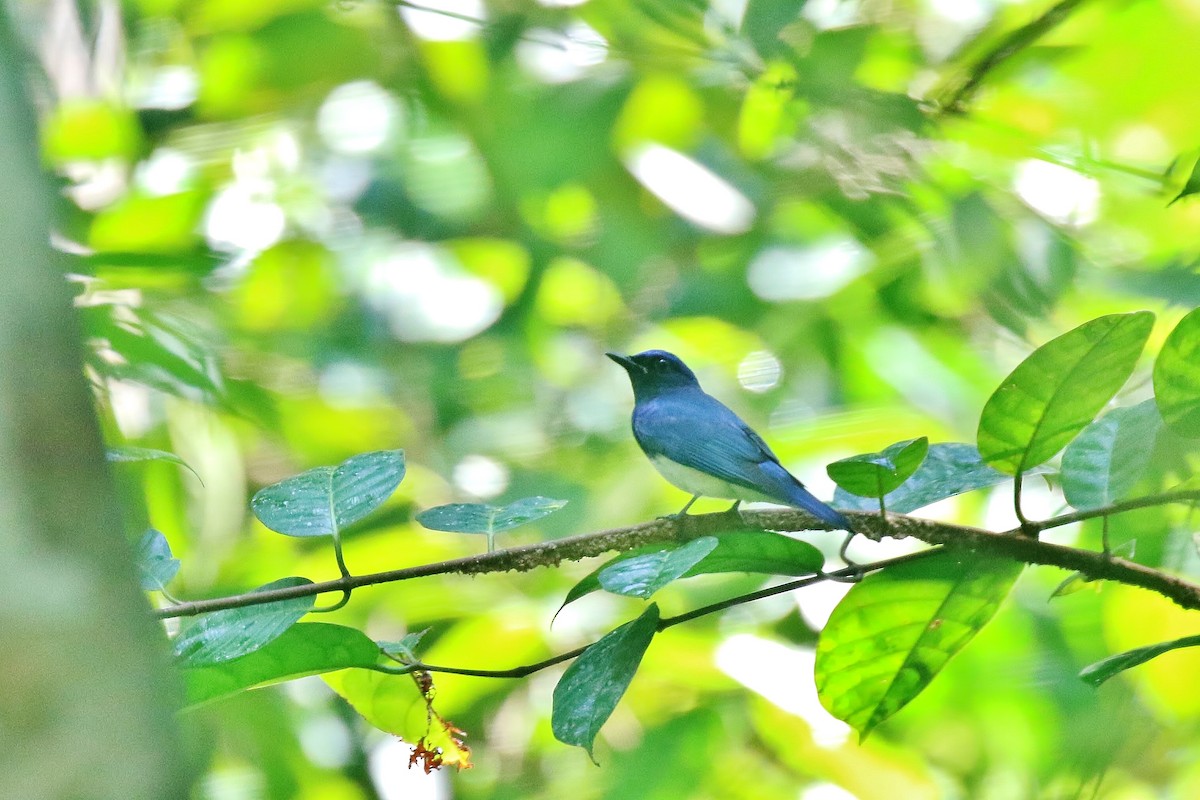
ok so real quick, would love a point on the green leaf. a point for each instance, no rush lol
(591, 687)
(235, 632)
(479, 518)
(155, 562)
(876, 474)
(591, 582)
(406, 647)
(325, 500)
(949, 469)
(1107, 460)
(1191, 185)
(130, 454)
(488, 520)
(1177, 377)
(643, 575)
(762, 552)
(894, 631)
(1098, 673)
(1055, 392)
(306, 648)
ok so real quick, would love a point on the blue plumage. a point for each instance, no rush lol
(701, 446)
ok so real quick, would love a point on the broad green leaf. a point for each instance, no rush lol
(949, 469)
(235, 632)
(642, 576)
(325, 500)
(306, 648)
(761, 552)
(1098, 673)
(1105, 462)
(876, 474)
(894, 631)
(1177, 377)
(130, 454)
(155, 562)
(391, 703)
(591, 687)
(488, 520)
(1055, 392)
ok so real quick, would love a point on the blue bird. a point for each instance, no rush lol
(701, 446)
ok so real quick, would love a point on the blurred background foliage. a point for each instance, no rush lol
(307, 229)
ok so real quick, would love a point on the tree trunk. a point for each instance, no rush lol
(86, 693)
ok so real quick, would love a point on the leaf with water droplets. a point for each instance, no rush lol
(234, 632)
(324, 500)
(480, 518)
(488, 520)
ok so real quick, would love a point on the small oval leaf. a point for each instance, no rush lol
(643, 575)
(155, 562)
(1177, 377)
(235, 632)
(894, 631)
(485, 519)
(1055, 392)
(761, 552)
(324, 500)
(1109, 457)
(591, 687)
(876, 474)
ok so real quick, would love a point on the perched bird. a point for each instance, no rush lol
(701, 446)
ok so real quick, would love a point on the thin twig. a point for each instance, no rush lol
(1009, 46)
(667, 622)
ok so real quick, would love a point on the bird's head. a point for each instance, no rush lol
(655, 371)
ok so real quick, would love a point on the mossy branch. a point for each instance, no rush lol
(1008, 544)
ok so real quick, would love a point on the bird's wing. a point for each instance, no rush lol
(698, 431)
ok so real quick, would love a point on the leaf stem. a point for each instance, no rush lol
(1027, 527)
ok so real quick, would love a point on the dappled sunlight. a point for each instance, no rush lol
(394, 779)
(358, 117)
(778, 673)
(426, 296)
(809, 272)
(1062, 194)
(690, 189)
(559, 57)
(444, 20)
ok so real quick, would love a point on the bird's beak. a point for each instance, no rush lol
(628, 363)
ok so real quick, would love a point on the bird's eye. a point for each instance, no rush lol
(662, 362)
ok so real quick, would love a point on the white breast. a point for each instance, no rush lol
(693, 481)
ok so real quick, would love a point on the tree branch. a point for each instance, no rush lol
(1010, 45)
(1010, 544)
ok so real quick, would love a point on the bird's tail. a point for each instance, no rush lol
(802, 498)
